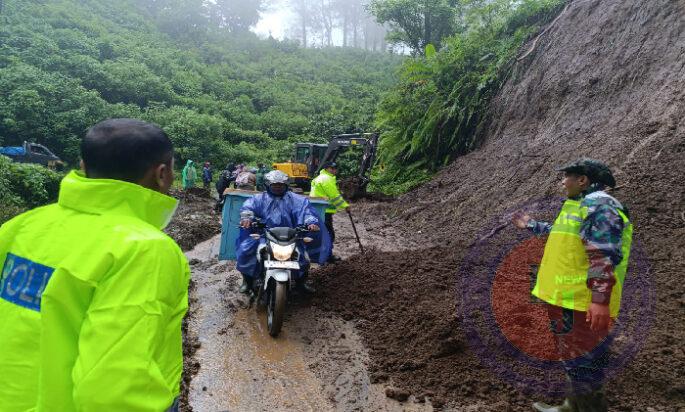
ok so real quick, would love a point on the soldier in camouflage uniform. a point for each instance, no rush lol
(581, 278)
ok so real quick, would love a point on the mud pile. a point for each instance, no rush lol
(194, 220)
(606, 81)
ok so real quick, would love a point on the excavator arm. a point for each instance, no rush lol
(370, 143)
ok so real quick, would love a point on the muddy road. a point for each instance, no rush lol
(318, 363)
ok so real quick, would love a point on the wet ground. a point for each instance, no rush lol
(413, 317)
(318, 362)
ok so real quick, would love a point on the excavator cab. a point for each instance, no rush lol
(309, 157)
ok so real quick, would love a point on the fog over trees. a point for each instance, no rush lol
(325, 23)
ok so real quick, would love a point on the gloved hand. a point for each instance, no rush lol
(520, 219)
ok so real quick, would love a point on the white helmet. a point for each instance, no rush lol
(275, 176)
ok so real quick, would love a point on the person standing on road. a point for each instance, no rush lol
(206, 175)
(92, 293)
(223, 183)
(580, 278)
(189, 175)
(261, 172)
(326, 186)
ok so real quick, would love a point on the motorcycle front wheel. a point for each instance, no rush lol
(275, 311)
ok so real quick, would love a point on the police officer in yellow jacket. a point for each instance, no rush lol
(92, 293)
(326, 186)
(580, 279)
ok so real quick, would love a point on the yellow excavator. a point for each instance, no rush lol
(309, 157)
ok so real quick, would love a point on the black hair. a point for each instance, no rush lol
(124, 149)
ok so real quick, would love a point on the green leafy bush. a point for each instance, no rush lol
(434, 112)
(24, 186)
(222, 97)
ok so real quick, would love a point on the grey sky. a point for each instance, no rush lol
(275, 20)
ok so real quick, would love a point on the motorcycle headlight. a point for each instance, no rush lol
(282, 252)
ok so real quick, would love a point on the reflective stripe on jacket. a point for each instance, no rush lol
(563, 279)
(91, 300)
(326, 186)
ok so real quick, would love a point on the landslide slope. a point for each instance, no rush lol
(607, 80)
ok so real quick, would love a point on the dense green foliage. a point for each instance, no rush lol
(221, 94)
(25, 186)
(225, 96)
(418, 23)
(433, 113)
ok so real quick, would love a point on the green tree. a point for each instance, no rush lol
(434, 113)
(236, 15)
(221, 95)
(417, 23)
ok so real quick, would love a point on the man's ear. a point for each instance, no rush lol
(164, 176)
(82, 166)
(584, 181)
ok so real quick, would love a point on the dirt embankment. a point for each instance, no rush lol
(608, 82)
(194, 221)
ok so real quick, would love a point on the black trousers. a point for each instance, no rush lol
(329, 226)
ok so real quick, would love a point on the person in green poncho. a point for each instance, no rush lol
(189, 175)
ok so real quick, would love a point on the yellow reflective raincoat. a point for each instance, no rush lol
(326, 186)
(92, 296)
(562, 279)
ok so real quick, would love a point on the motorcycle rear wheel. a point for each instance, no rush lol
(275, 311)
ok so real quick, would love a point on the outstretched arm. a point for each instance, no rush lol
(523, 221)
(249, 207)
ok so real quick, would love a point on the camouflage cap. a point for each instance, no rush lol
(596, 171)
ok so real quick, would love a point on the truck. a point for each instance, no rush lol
(309, 157)
(32, 153)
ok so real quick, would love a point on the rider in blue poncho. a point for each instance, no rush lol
(279, 207)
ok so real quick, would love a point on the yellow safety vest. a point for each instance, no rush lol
(326, 186)
(562, 277)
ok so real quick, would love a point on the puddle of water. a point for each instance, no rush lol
(275, 367)
(267, 348)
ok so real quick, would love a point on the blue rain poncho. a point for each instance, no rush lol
(290, 210)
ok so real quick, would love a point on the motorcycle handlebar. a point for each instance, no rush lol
(258, 224)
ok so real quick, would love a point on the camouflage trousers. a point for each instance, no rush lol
(583, 352)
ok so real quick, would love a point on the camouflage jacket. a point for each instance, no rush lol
(601, 233)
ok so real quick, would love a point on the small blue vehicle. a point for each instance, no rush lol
(32, 153)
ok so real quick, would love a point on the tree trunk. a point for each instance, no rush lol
(426, 27)
(344, 28)
(304, 30)
(355, 37)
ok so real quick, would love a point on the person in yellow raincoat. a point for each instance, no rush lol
(326, 186)
(92, 293)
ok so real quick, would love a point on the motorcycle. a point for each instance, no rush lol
(279, 266)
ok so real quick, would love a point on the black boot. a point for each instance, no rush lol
(594, 401)
(334, 259)
(246, 286)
